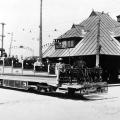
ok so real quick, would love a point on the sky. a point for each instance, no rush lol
(22, 18)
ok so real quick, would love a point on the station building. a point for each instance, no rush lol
(96, 40)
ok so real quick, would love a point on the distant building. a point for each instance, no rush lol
(22, 51)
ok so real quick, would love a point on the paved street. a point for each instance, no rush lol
(17, 105)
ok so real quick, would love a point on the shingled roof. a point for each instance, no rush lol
(88, 29)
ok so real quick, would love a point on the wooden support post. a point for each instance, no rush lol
(98, 46)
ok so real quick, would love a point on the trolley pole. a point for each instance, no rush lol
(2, 37)
(98, 46)
(40, 41)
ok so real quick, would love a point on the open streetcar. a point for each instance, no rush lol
(70, 80)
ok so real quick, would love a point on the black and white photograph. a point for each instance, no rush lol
(59, 59)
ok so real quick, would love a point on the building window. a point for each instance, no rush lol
(64, 44)
(70, 43)
(58, 45)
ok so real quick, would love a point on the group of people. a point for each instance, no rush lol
(78, 71)
(60, 66)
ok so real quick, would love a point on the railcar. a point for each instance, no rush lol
(71, 80)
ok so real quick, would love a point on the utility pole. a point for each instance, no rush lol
(10, 43)
(40, 41)
(98, 45)
(2, 37)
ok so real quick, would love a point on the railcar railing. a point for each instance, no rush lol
(13, 66)
(80, 75)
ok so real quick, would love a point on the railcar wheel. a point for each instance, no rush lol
(52, 89)
(44, 90)
(82, 91)
(39, 89)
(71, 91)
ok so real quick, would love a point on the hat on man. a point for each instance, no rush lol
(60, 59)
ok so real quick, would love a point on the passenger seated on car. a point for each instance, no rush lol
(80, 64)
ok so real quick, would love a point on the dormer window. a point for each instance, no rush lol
(66, 43)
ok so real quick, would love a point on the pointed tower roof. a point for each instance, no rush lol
(93, 13)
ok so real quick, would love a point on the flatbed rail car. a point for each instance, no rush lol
(82, 80)
(71, 80)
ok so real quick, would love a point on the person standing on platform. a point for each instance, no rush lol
(59, 68)
(48, 66)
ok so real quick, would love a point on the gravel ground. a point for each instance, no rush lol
(17, 105)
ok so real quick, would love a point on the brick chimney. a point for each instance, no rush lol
(118, 18)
